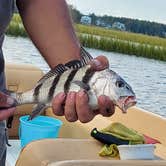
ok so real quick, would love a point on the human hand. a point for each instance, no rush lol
(76, 104)
(5, 113)
(6, 103)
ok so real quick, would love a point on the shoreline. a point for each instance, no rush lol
(108, 40)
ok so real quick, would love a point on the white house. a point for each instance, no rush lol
(86, 20)
(100, 22)
(119, 25)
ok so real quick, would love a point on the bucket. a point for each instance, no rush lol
(41, 127)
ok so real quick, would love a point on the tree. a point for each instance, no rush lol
(75, 14)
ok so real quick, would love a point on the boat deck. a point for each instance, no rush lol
(53, 146)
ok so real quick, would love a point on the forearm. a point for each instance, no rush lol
(50, 28)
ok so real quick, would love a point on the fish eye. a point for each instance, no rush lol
(120, 84)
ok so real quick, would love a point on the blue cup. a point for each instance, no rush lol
(41, 127)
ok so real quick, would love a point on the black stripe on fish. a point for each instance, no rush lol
(69, 80)
(52, 88)
(89, 73)
(36, 91)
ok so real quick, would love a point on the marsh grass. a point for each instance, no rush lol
(108, 40)
(16, 27)
(126, 36)
(129, 48)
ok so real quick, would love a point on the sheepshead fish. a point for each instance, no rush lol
(74, 76)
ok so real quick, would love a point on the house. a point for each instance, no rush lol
(86, 20)
(119, 26)
(108, 26)
(100, 22)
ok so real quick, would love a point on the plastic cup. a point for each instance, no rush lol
(41, 127)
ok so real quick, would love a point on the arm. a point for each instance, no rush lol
(49, 26)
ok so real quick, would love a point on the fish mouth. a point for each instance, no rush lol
(126, 102)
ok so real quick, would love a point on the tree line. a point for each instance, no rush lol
(132, 25)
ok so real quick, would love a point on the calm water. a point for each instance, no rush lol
(147, 77)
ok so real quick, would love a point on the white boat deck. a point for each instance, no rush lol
(13, 152)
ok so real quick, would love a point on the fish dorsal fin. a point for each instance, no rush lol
(84, 60)
(85, 56)
(74, 64)
(59, 69)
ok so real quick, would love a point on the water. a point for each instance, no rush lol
(146, 76)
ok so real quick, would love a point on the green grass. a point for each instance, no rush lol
(123, 47)
(16, 27)
(121, 35)
(108, 40)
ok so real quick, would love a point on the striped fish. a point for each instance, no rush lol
(74, 76)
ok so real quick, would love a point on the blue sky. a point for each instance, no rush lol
(151, 10)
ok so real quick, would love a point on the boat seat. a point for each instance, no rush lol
(20, 78)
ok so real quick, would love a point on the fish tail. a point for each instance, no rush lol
(7, 101)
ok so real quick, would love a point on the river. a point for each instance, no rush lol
(146, 76)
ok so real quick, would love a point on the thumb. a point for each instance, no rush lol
(99, 63)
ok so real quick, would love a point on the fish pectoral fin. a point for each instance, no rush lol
(37, 110)
(82, 85)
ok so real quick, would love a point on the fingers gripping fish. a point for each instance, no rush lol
(74, 76)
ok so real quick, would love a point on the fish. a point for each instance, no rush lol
(74, 76)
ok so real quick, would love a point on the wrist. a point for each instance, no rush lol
(65, 54)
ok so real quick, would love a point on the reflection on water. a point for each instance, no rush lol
(147, 77)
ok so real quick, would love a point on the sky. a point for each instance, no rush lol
(150, 10)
